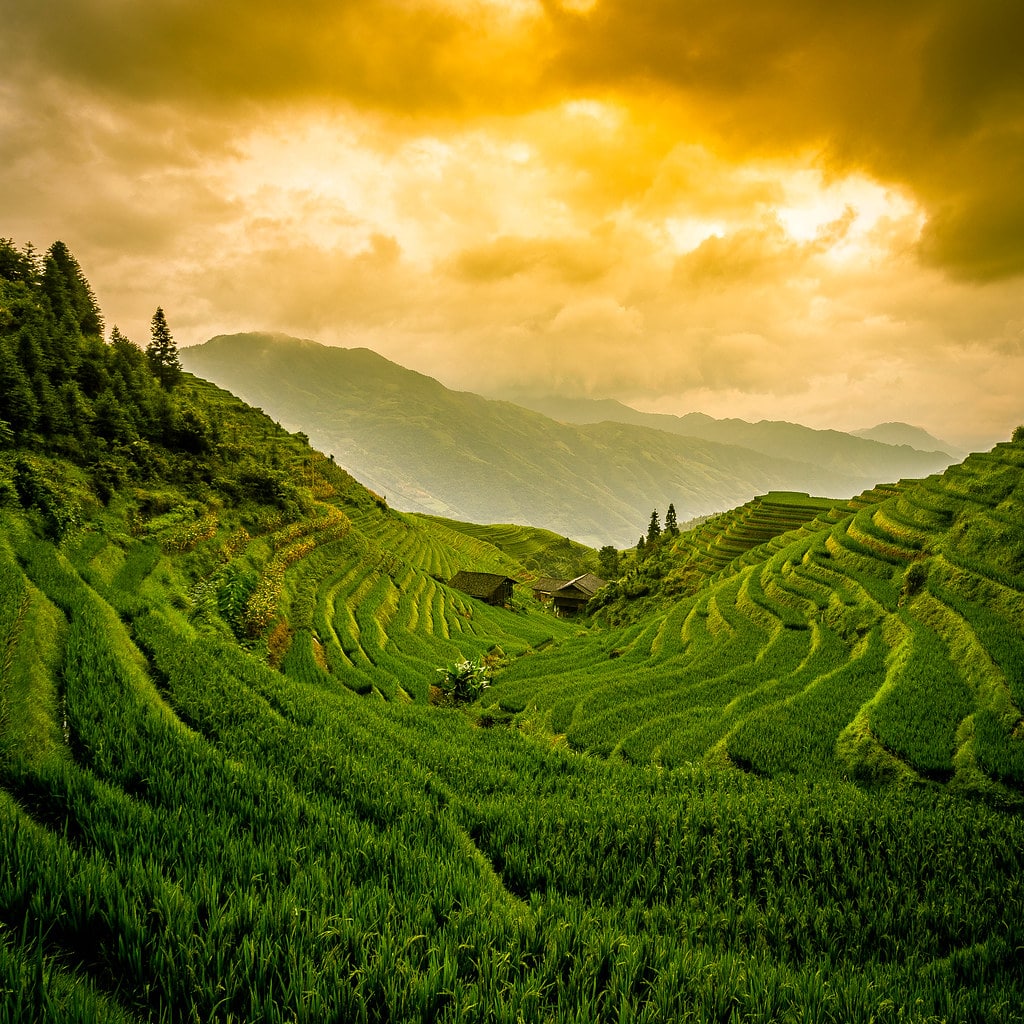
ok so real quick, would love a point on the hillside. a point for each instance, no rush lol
(457, 455)
(230, 791)
(542, 552)
(906, 434)
(866, 456)
(882, 642)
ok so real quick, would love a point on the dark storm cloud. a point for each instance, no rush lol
(929, 95)
(215, 53)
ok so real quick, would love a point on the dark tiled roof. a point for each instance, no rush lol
(548, 584)
(588, 583)
(479, 584)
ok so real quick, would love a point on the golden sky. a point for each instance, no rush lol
(766, 209)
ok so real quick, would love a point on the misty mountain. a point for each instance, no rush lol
(911, 451)
(906, 434)
(428, 449)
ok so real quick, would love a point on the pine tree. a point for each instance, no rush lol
(16, 265)
(69, 292)
(19, 407)
(653, 528)
(162, 353)
(671, 525)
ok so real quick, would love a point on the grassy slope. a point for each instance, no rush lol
(878, 643)
(190, 833)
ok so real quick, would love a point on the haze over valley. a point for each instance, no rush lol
(429, 449)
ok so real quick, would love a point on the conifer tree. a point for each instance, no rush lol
(18, 404)
(671, 525)
(69, 292)
(162, 353)
(653, 528)
(15, 264)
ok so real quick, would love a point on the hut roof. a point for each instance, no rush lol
(548, 584)
(588, 584)
(479, 584)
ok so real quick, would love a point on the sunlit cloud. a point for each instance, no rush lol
(767, 210)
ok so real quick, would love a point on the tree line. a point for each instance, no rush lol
(655, 531)
(610, 559)
(107, 405)
(62, 383)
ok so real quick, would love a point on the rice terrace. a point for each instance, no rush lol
(261, 762)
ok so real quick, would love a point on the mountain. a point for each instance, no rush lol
(456, 454)
(905, 434)
(887, 454)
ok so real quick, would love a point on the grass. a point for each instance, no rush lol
(793, 793)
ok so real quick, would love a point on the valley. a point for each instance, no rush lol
(773, 773)
(591, 476)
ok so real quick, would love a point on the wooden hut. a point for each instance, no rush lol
(489, 587)
(545, 587)
(572, 597)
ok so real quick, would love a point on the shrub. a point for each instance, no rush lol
(35, 491)
(914, 578)
(464, 681)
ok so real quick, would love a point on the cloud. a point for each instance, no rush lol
(506, 257)
(598, 316)
(927, 95)
(918, 94)
(750, 253)
(407, 57)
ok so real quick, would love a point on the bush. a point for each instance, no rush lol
(464, 681)
(914, 578)
(35, 492)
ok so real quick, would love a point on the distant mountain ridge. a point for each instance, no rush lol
(853, 452)
(907, 434)
(429, 449)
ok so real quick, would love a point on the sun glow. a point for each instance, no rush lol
(687, 233)
(840, 217)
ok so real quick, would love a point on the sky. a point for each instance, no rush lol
(764, 209)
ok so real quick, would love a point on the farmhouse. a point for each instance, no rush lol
(567, 596)
(488, 587)
(545, 586)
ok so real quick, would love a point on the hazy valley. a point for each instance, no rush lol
(590, 471)
(263, 758)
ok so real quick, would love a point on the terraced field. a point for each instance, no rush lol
(189, 832)
(724, 539)
(541, 552)
(882, 642)
(791, 794)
